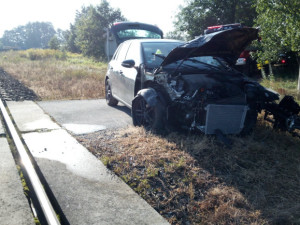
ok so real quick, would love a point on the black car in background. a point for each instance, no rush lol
(123, 31)
(169, 84)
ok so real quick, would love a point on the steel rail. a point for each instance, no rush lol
(43, 199)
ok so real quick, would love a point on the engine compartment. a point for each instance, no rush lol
(192, 95)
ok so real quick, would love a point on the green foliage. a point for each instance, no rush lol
(32, 35)
(54, 43)
(70, 37)
(1, 44)
(88, 32)
(199, 14)
(177, 35)
(279, 21)
(280, 29)
(40, 54)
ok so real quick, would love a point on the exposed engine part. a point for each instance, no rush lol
(173, 88)
(285, 114)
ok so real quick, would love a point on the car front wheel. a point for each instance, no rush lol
(110, 100)
(151, 117)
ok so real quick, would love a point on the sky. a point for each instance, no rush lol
(61, 13)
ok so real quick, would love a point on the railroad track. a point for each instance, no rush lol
(45, 213)
(13, 90)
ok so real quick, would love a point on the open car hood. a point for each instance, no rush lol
(226, 44)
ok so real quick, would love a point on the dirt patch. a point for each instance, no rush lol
(13, 90)
(193, 179)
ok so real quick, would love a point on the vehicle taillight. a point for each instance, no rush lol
(245, 54)
(283, 61)
(214, 27)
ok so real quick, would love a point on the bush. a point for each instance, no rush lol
(40, 54)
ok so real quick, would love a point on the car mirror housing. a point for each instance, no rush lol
(129, 63)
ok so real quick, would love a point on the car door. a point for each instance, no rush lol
(116, 72)
(130, 74)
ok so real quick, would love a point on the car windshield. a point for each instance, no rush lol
(208, 62)
(155, 52)
(199, 63)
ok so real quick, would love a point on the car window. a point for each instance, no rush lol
(200, 63)
(123, 51)
(134, 52)
(137, 33)
(155, 52)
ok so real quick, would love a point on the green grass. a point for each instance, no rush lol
(54, 74)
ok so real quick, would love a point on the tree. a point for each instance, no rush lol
(199, 14)
(32, 35)
(54, 43)
(90, 28)
(70, 37)
(14, 39)
(279, 21)
(176, 35)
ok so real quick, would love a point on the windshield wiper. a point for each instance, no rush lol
(159, 55)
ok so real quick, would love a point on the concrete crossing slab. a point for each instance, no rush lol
(30, 117)
(86, 191)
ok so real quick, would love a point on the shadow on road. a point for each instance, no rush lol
(123, 109)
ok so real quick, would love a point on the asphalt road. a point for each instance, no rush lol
(86, 116)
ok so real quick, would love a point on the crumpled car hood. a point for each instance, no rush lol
(226, 44)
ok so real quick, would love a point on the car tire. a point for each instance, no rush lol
(110, 100)
(250, 122)
(152, 118)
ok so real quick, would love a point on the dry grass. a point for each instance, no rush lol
(56, 75)
(284, 85)
(193, 179)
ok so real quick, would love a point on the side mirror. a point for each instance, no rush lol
(129, 63)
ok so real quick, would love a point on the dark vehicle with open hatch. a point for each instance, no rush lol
(122, 31)
(169, 84)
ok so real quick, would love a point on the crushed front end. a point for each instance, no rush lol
(208, 102)
(201, 91)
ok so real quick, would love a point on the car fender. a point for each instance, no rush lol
(150, 96)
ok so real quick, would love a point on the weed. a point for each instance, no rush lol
(36, 221)
(105, 160)
(152, 171)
